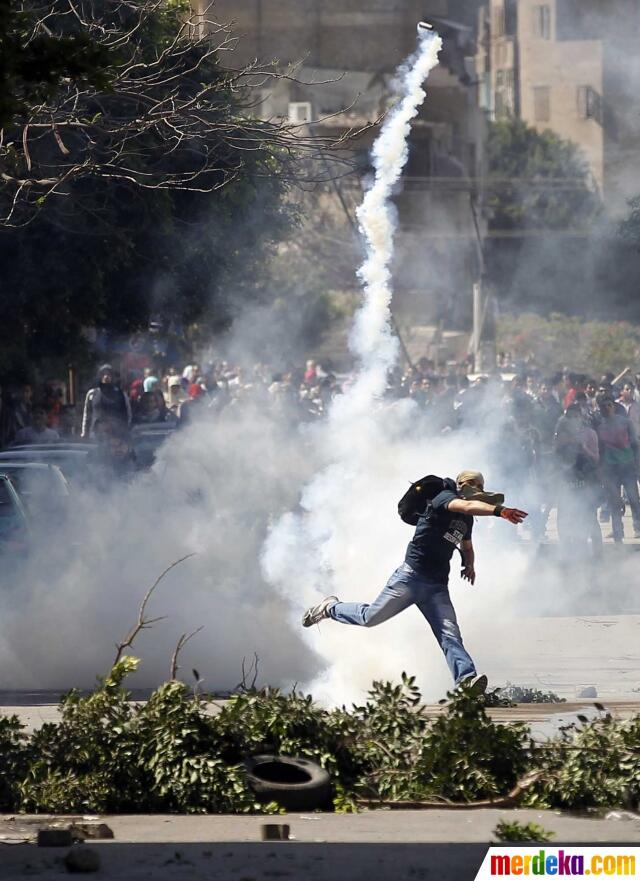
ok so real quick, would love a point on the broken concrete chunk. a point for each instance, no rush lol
(82, 860)
(52, 837)
(275, 831)
(82, 831)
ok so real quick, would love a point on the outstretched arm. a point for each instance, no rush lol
(484, 509)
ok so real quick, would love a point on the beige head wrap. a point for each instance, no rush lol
(469, 477)
(467, 491)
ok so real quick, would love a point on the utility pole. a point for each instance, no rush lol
(482, 343)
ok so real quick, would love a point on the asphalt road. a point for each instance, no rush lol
(370, 846)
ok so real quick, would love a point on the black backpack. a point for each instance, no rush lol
(414, 502)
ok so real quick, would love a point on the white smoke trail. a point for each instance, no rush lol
(371, 340)
(322, 543)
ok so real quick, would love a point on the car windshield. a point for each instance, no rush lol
(10, 515)
(7, 504)
(36, 482)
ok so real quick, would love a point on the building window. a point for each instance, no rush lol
(498, 21)
(505, 94)
(589, 104)
(300, 112)
(509, 80)
(541, 103)
(542, 22)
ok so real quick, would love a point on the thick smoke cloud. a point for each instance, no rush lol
(211, 493)
(279, 515)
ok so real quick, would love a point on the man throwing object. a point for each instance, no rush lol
(422, 580)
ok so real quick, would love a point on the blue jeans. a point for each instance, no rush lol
(407, 588)
(615, 476)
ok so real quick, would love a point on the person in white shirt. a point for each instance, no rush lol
(632, 407)
(37, 432)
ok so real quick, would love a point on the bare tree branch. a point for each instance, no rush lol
(184, 639)
(144, 623)
(252, 671)
(165, 122)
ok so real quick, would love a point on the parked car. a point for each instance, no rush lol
(42, 487)
(54, 445)
(15, 534)
(74, 464)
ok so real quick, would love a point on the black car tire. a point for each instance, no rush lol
(296, 784)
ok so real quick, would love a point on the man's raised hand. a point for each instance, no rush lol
(513, 515)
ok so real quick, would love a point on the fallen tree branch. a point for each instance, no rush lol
(509, 800)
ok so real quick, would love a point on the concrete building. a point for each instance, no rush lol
(570, 66)
(356, 45)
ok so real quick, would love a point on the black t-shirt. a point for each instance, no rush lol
(437, 535)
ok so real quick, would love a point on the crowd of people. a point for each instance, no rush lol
(573, 438)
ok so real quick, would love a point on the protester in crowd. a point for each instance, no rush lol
(576, 383)
(37, 432)
(518, 403)
(525, 413)
(591, 391)
(310, 373)
(150, 381)
(172, 387)
(113, 459)
(53, 405)
(195, 403)
(531, 386)
(136, 389)
(619, 456)
(189, 375)
(546, 412)
(578, 491)
(151, 408)
(106, 401)
(23, 407)
(631, 406)
(416, 393)
(67, 424)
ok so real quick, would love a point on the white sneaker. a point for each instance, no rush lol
(319, 612)
(475, 685)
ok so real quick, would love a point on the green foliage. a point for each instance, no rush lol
(560, 340)
(172, 754)
(116, 244)
(592, 764)
(537, 180)
(629, 228)
(34, 62)
(515, 831)
(13, 760)
(517, 694)
(466, 756)
(180, 748)
(107, 754)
